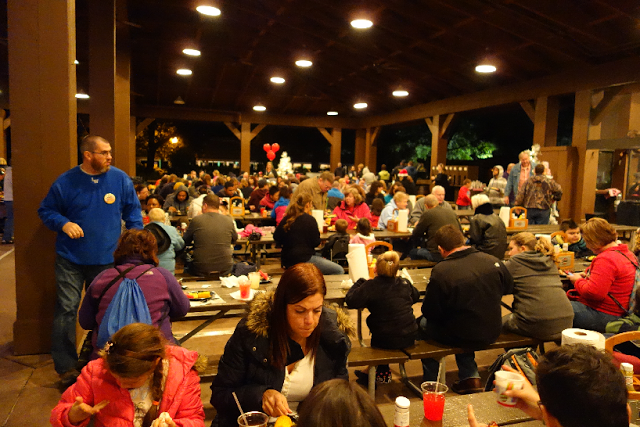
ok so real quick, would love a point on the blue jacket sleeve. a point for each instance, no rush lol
(51, 209)
(131, 209)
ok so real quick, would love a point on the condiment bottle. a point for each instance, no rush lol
(401, 416)
(627, 371)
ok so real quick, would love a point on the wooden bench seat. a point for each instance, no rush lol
(416, 263)
(372, 357)
(211, 370)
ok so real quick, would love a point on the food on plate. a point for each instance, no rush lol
(198, 294)
(283, 421)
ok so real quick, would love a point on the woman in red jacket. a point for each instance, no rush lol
(605, 287)
(138, 379)
(352, 208)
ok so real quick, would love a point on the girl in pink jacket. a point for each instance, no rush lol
(138, 379)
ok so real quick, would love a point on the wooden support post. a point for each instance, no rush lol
(529, 110)
(44, 126)
(605, 105)
(109, 74)
(3, 134)
(585, 189)
(245, 135)
(545, 123)
(143, 125)
(335, 139)
(371, 148)
(361, 140)
(438, 126)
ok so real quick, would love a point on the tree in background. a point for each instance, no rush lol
(414, 143)
(158, 140)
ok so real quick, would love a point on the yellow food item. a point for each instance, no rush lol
(204, 294)
(283, 421)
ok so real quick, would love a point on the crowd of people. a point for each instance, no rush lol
(290, 350)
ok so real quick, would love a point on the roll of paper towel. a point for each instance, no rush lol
(318, 214)
(583, 336)
(412, 199)
(504, 215)
(357, 259)
(403, 219)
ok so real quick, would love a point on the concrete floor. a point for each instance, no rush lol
(29, 383)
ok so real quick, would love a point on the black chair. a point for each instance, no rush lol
(339, 252)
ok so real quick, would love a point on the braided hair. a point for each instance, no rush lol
(133, 351)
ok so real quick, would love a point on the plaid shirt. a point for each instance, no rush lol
(539, 192)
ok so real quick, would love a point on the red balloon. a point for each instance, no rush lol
(275, 147)
(271, 155)
(266, 147)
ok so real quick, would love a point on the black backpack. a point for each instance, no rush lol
(523, 360)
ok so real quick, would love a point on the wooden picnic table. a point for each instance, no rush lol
(627, 232)
(455, 412)
(217, 308)
(267, 239)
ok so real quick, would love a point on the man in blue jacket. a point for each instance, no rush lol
(519, 174)
(85, 206)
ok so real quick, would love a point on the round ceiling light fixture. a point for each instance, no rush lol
(208, 10)
(304, 63)
(179, 101)
(82, 95)
(360, 105)
(332, 113)
(259, 107)
(191, 52)
(184, 72)
(361, 23)
(277, 80)
(486, 68)
(400, 93)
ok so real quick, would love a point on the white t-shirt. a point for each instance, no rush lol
(141, 396)
(299, 382)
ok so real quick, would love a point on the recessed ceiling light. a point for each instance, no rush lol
(259, 108)
(208, 10)
(486, 68)
(361, 23)
(278, 80)
(184, 72)
(332, 113)
(400, 93)
(191, 52)
(82, 95)
(179, 101)
(360, 105)
(304, 63)
(75, 61)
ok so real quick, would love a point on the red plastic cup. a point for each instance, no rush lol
(433, 399)
(245, 289)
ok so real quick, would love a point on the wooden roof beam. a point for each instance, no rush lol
(605, 104)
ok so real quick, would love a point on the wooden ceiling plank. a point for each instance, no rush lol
(216, 87)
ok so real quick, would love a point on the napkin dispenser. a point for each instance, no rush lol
(518, 223)
(392, 224)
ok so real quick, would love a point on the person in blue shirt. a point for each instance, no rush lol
(167, 258)
(85, 206)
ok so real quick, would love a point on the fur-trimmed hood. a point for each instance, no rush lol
(260, 312)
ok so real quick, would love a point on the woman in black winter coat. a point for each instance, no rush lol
(288, 343)
(389, 299)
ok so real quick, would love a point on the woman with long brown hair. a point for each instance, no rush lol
(135, 258)
(299, 236)
(138, 378)
(288, 342)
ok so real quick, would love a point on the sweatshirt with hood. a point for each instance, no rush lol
(172, 200)
(540, 306)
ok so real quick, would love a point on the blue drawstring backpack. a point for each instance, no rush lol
(127, 306)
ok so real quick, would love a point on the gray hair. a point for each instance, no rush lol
(479, 199)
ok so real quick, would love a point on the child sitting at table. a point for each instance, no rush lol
(340, 235)
(376, 209)
(364, 235)
(389, 299)
(574, 239)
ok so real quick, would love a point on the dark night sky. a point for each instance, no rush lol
(507, 126)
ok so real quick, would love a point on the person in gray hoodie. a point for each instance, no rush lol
(178, 201)
(541, 308)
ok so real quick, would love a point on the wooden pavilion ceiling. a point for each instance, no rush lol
(428, 47)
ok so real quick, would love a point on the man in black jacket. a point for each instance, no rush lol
(462, 305)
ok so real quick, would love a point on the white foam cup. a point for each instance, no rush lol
(508, 381)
